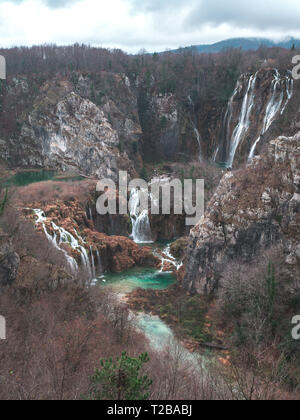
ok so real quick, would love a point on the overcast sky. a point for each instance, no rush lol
(152, 24)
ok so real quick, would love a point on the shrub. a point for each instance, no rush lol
(121, 380)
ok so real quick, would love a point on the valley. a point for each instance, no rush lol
(212, 304)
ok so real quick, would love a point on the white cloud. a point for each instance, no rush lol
(153, 24)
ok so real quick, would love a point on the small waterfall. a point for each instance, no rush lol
(169, 259)
(100, 266)
(273, 108)
(196, 131)
(216, 154)
(289, 92)
(244, 120)
(65, 238)
(93, 262)
(141, 230)
(91, 214)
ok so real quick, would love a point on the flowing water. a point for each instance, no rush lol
(273, 107)
(281, 94)
(141, 230)
(61, 236)
(244, 121)
(196, 131)
(158, 333)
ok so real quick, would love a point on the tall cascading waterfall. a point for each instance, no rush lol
(244, 120)
(227, 119)
(61, 236)
(274, 106)
(141, 229)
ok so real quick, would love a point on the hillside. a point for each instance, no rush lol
(246, 44)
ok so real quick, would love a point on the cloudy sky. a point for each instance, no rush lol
(152, 24)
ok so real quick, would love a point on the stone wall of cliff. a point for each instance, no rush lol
(252, 209)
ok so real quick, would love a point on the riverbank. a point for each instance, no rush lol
(187, 316)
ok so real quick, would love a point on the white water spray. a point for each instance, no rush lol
(61, 236)
(244, 121)
(141, 230)
(273, 107)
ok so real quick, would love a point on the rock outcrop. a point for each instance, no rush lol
(252, 209)
(74, 134)
(96, 252)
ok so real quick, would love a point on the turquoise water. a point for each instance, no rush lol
(145, 278)
(22, 179)
(157, 332)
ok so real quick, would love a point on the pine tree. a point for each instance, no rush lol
(121, 379)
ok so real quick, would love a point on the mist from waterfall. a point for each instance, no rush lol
(141, 229)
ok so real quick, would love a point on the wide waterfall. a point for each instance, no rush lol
(61, 236)
(244, 120)
(280, 93)
(274, 106)
(141, 230)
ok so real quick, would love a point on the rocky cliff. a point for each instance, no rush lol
(59, 127)
(252, 209)
(261, 106)
(98, 122)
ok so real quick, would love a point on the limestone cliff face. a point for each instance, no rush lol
(60, 127)
(95, 122)
(251, 210)
(73, 134)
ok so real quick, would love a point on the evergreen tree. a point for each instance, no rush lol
(121, 379)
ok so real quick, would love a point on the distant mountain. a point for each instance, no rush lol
(245, 44)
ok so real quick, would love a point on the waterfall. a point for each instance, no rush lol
(244, 119)
(93, 262)
(169, 259)
(196, 131)
(272, 109)
(216, 154)
(227, 121)
(91, 214)
(65, 238)
(141, 230)
(229, 111)
(289, 91)
(100, 267)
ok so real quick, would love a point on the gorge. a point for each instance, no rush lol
(231, 119)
